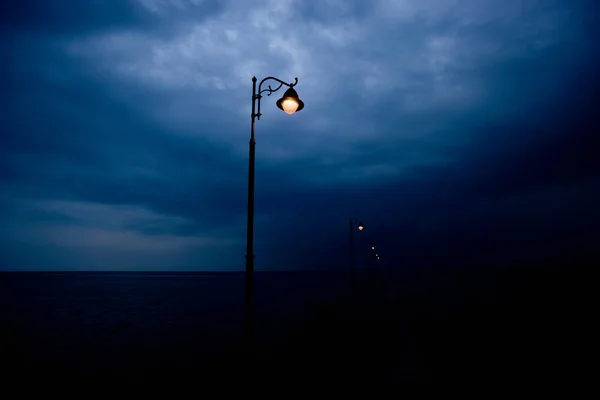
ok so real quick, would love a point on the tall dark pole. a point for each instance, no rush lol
(352, 264)
(290, 96)
(359, 225)
(250, 229)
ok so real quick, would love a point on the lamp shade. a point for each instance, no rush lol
(290, 102)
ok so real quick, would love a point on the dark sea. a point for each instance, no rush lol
(410, 326)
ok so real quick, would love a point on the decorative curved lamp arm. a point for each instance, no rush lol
(258, 95)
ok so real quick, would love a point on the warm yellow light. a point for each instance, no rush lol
(360, 227)
(377, 255)
(289, 105)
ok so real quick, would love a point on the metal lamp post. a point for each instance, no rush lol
(359, 225)
(290, 103)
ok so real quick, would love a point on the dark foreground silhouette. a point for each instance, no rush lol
(509, 327)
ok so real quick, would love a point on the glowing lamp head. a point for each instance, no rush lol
(360, 226)
(290, 103)
(289, 106)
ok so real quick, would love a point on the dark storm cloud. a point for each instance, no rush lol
(506, 193)
(453, 132)
(67, 137)
(63, 17)
(71, 140)
(350, 8)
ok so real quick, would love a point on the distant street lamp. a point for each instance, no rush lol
(289, 103)
(375, 257)
(359, 225)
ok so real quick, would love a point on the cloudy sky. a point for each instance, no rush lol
(459, 131)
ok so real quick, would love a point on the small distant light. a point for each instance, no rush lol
(372, 247)
(378, 258)
(377, 255)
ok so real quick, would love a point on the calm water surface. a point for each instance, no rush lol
(83, 315)
(127, 320)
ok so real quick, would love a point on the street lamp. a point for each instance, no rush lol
(359, 225)
(290, 103)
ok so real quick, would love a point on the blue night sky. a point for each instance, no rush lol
(460, 132)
